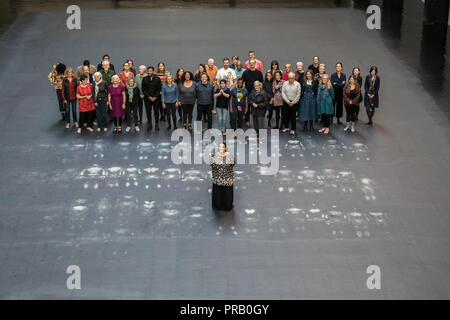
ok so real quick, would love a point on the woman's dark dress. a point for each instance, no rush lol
(223, 180)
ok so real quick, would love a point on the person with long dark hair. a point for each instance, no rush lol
(100, 96)
(56, 77)
(356, 72)
(315, 65)
(198, 73)
(371, 87)
(308, 104)
(177, 80)
(325, 107)
(277, 86)
(338, 80)
(268, 88)
(69, 94)
(222, 163)
(85, 103)
(352, 95)
(162, 73)
(274, 67)
(187, 97)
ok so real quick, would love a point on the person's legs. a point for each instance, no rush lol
(208, 111)
(155, 105)
(68, 113)
(140, 109)
(260, 120)
(184, 107)
(240, 119)
(269, 118)
(370, 111)
(277, 117)
(83, 119)
(73, 104)
(255, 124)
(190, 109)
(180, 113)
(90, 118)
(200, 114)
(62, 107)
(129, 110)
(233, 120)
(285, 116)
(148, 111)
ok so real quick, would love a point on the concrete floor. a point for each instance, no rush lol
(141, 227)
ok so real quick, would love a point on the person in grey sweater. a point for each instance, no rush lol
(187, 97)
(290, 93)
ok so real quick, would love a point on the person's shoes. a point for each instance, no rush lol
(98, 129)
(347, 127)
(322, 130)
(247, 123)
(277, 127)
(119, 129)
(67, 125)
(150, 127)
(137, 129)
(128, 129)
(292, 132)
(305, 127)
(105, 129)
(339, 121)
(353, 127)
(76, 124)
(311, 127)
(79, 130)
(169, 127)
(269, 126)
(369, 123)
(285, 130)
(157, 128)
(90, 129)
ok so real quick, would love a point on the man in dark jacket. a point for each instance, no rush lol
(151, 88)
(205, 92)
(250, 76)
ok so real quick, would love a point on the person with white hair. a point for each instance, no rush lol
(291, 95)
(107, 72)
(258, 102)
(140, 101)
(100, 96)
(116, 102)
(300, 73)
(211, 71)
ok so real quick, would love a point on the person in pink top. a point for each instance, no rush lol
(251, 56)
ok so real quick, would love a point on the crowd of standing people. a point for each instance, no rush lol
(238, 93)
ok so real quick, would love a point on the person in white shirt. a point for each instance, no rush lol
(290, 93)
(227, 74)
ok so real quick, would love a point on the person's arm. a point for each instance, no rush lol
(62, 92)
(123, 98)
(226, 95)
(217, 94)
(109, 100)
(299, 93)
(358, 94)
(78, 95)
(347, 100)
(331, 91)
(246, 104)
(377, 85)
(163, 94)
(283, 93)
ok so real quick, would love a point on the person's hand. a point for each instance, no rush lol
(255, 105)
(65, 101)
(290, 104)
(96, 104)
(271, 101)
(142, 96)
(54, 66)
(221, 91)
(110, 106)
(123, 106)
(163, 105)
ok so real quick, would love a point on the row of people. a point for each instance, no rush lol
(237, 92)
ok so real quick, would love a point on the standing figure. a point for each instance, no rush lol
(56, 77)
(125, 74)
(371, 87)
(308, 105)
(177, 80)
(132, 95)
(100, 96)
(162, 73)
(268, 88)
(205, 99)
(138, 79)
(357, 73)
(258, 102)
(151, 87)
(85, 103)
(277, 86)
(222, 164)
(187, 97)
(238, 104)
(325, 108)
(250, 76)
(116, 102)
(338, 80)
(352, 95)
(169, 98)
(69, 94)
(290, 92)
(222, 95)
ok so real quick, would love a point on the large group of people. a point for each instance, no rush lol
(239, 93)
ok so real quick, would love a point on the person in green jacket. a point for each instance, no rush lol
(325, 108)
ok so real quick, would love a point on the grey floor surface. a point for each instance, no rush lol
(141, 227)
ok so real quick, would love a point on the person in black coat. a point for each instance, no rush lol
(258, 103)
(268, 89)
(100, 97)
(132, 94)
(371, 87)
(151, 87)
(356, 72)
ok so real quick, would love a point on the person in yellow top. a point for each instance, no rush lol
(55, 77)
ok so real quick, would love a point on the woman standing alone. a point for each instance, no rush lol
(222, 164)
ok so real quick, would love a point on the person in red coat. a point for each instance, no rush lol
(85, 103)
